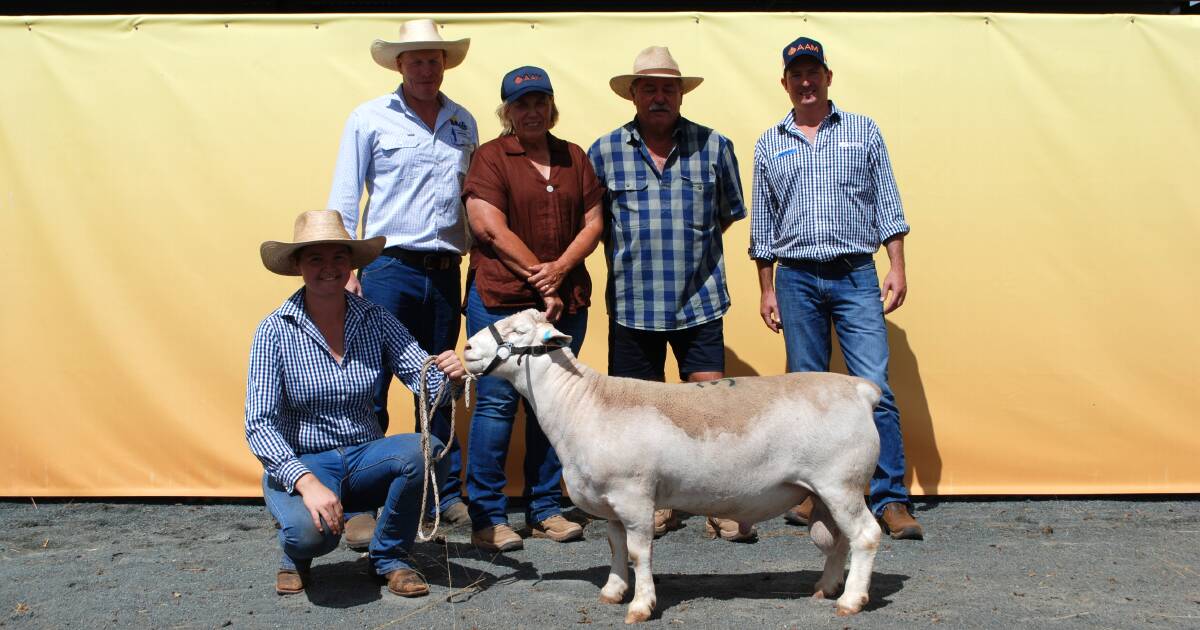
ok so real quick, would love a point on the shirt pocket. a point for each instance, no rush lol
(699, 194)
(397, 155)
(852, 168)
(628, 201)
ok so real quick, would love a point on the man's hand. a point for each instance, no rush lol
(353, 285)
(322, 503)
(897, 285)
(554, 308)
(547, 277)
(769, 309)
(449, 364)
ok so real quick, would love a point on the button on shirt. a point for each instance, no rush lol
(819, 200)
(666, 262)
(299, 400)
(413, 176)
(546, 214)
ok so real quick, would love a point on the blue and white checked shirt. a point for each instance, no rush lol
(413, 177)
(299, 400)
(817, 201)
(666, 263)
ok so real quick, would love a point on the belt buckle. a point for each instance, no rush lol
(433, 261)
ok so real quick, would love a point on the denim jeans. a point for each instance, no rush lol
(811, 297)
(491, 428)
(427, 303)
(383, 473)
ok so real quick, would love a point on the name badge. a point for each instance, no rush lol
(845, 144)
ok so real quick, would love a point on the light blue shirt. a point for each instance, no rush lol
(819, 200)
(413, 176)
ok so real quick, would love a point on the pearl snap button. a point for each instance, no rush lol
(549, 188)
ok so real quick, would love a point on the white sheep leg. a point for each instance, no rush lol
(614, 590)
(851, 515)
(639, 539)
(830, 540)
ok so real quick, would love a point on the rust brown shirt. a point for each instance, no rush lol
(546, 214)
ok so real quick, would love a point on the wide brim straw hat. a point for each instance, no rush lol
(655, 61)
(419, 35)
(317, 227)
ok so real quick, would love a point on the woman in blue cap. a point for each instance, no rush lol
(533, 202)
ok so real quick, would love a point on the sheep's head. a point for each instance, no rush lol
(526, 332)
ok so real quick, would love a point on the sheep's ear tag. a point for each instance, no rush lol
(503, 352)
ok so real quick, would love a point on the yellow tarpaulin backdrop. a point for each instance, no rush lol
(1046, 163)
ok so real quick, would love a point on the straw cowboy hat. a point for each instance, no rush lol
(655, 61)
(419, 35)
(317, 227)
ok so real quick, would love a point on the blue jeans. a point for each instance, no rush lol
(381, 473)
(426, 302)
(812, 296)
(491, 428)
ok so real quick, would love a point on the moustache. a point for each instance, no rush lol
(660, 108)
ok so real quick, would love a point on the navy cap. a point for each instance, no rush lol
(524, 80)
(804, 47)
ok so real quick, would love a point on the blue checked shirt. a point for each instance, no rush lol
(819, 200)
(299, 400)
(413, 177)
(666, 264)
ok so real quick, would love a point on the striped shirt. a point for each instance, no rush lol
(819, 200)
(413, 176)
(666, 263)
(299, 400)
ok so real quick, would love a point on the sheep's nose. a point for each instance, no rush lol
(467, 348)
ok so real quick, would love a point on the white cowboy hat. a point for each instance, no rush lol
(317, 227)
(655, 61)
(419, 35)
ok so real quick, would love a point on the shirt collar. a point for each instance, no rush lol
(448, 106)
(788, 124)
(512, 145)
(632, 136)
(293, 308)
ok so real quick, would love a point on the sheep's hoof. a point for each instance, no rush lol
(845, 612)
(850, 606)
(819, 594)
(637, 615)
(610, 599)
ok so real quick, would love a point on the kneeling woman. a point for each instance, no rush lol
(309, 416)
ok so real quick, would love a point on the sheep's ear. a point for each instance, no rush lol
(552, 337)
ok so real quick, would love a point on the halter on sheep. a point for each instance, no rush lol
(745, 449)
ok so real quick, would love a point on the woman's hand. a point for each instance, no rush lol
(322, 503)
(554, 307)
(449, 364)
(547, 277)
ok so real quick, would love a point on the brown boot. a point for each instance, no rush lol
(497, 538)
(900, 524)
(407, 583)
(728, 530)
(800, 514)
(558, 529)
(456, 514)
(665, 521)
(290, 581)
(359, 531)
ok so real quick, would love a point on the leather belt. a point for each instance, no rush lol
(424, 260)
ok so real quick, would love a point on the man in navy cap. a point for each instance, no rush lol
(824, 201)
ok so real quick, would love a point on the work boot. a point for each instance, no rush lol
(499, 537)
(359, 531)
(290, 581)
(665, 521)
(407, 583)
(800, 514)
(728, 529)
(900, 524)
(456, 514)
(558, 529)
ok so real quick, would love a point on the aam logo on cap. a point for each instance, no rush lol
(521, 78)
(809, 47)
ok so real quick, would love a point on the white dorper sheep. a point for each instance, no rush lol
(739, 448)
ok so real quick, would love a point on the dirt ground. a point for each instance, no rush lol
(984, 564)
